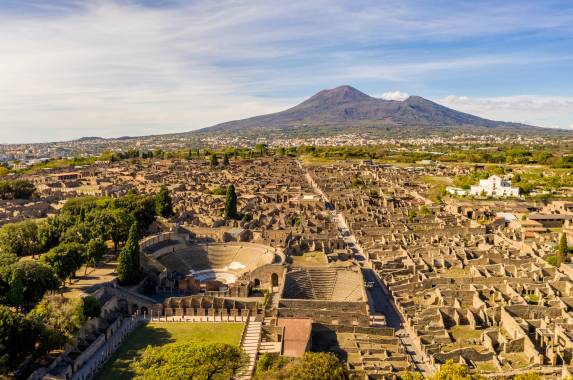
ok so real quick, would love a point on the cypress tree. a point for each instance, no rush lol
(562, 249)
(163, 203)
(17, 288)
(128, 267)
(124, 267)
(214, 161)
(231, 203)
(225, 159)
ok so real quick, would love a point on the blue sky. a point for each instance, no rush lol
(119, 67)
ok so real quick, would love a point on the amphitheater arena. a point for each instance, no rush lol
(221, 262)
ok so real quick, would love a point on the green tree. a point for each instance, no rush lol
(64, 316)
(128, 267)
(424, 210)
(121, 222)
(452, 371)
(36, 279)
(7, 258)
(16, 189)
(65, 260)
(20, 238)
(95, 250)
(18, 338)
(317, 366)
(261, 149)
(225, 159)
(562, 249)
(163, 203)
(80, 233)
(231, 203)
(16, 284)
(411, 376)
(91, 307)
(143, 211)
(411, 215)
(553, 260)
(49, 232)
(214, 160)
(183, 361)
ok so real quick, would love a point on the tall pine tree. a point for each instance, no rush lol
(231, 203)
(562, 249)
(128, 267)
(163, 203)
(214, 161)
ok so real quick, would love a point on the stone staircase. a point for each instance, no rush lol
(270, 347)
(250, 344)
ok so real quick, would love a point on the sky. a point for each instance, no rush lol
(110, 68)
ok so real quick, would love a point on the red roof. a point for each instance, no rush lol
(296, 335)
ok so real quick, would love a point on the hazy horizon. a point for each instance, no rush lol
(111, 68)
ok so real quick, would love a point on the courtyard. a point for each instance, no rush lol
(162, 333)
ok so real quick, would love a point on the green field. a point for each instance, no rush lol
(162, 333)
(310, 259)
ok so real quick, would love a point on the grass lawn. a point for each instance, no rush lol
(162, 333)
(436, 180)
(515, 360)
(462, 333)
(310, 259)
(437, 186)
(486, 366)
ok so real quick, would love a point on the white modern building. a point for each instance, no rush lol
(494, 186)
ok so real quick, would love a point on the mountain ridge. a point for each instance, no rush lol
(347, 105)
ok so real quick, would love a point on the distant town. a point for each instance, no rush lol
(22, 156)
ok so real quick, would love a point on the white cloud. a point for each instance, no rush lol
(395, 95)
(543, 111)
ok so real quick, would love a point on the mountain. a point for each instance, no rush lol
(347, 106)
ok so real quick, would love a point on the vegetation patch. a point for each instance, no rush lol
(157, 334)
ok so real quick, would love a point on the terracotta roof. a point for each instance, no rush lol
(296, 335)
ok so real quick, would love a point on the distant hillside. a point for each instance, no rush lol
(346, 106)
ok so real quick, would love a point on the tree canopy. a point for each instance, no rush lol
(312, 366)
(65, 260)
(452, 371)
(163, 203)
(62, 315)
(16, 189)
(184, 361)
(20, 238)
(318, 366)
(19, 337)
(27, 281)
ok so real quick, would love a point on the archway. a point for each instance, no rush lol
(274, 279)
